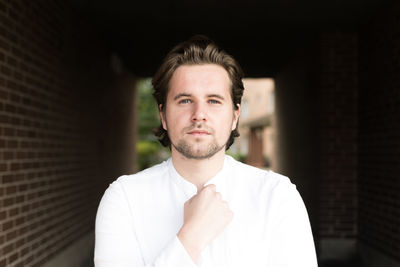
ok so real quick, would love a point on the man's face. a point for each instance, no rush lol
(199, 114)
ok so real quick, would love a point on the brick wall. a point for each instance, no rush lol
(51, 83)
(338, 96)
(379, 183)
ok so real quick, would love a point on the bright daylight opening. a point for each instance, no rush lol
(255, 146)
(149, 150)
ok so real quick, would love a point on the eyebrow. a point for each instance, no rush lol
(216, 96)
(181, 95)
(189, 95)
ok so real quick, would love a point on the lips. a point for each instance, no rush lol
(198, 129)
(199, 132)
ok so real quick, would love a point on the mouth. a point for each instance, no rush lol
(199, 133)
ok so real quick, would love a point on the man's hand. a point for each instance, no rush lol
(205, 216)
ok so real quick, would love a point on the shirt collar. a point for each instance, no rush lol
(190, 189)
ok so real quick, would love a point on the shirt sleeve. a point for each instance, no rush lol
(116, 243)
(293, 243)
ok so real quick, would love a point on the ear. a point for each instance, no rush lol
(236, 115)
(162, 117)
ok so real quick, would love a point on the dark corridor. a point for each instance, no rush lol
(67, 126)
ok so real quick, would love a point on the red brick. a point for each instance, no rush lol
(3, 167)
(7, 225)
(8, 155)
(3, 95)
(43, 124)
(338, 134)
(8, 201)
(3, 8)
(9, 131)
(11, 235)
(11, 190)
(13, 258)
(15, 166)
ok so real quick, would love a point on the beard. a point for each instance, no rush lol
(190, 152)
(198, 151)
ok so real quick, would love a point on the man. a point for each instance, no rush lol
(201, 207)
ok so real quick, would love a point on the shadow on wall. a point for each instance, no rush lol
(88, 262)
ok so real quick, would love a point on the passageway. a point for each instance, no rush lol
(68, 128)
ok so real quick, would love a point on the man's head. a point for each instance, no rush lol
(197, 51)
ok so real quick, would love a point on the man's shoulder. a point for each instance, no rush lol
(257, 176)
(147, 176)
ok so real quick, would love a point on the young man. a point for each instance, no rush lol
(201, 207)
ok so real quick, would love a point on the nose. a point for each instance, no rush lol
(199, 113)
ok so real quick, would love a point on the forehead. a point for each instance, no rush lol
(207, 78)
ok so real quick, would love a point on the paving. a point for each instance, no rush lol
(352, 263)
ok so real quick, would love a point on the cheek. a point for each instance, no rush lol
(171, 122)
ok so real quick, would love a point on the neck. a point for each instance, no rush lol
(198, 171)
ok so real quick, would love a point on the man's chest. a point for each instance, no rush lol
(243, 241)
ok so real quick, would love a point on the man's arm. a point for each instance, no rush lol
(116, 244)
(292, 238)
(205, 216)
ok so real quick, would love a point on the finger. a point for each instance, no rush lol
(210, 187)
(225, 204)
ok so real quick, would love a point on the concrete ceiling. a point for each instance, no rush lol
(261, 34)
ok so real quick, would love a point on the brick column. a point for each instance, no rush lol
(379, 182)
(338, 151)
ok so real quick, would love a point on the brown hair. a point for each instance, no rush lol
(197, 50)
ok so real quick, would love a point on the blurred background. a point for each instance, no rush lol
(321, 106)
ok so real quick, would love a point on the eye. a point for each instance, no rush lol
(213, 101)
(185, 101)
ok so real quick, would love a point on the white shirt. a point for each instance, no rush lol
(140, 215)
